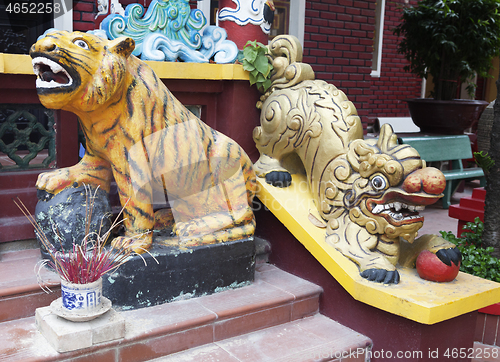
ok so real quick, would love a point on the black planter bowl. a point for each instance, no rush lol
(445, 117)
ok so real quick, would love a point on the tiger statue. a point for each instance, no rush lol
(367, 192)
(140, 135)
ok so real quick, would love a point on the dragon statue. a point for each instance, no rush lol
(368, 192)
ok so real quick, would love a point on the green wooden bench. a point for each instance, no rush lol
(447, 148)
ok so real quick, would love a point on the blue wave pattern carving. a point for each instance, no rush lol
(214, 44)
(171, 28)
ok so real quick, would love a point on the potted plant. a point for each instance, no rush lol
(452, 41)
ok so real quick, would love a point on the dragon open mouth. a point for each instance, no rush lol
(50, 74)
(398, 211)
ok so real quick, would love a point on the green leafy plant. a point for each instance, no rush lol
(451, 40)
(257, 64)
(476, 260)
(484, 161)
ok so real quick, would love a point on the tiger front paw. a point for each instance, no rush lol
(137, 245)
(186, 229)
(54, 181)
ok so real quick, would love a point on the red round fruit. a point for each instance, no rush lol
(433, 180)
(412, 183)
(430, 267)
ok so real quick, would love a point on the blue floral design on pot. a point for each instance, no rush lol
(81, 297)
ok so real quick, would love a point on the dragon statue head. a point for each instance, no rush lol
(372, 197)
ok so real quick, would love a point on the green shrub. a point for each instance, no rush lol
(484, 161)
(476, 260)
(257, 64)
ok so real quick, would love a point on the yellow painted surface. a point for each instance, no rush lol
(15, 64)
(413, 298)
(21, 64)
(180, 70)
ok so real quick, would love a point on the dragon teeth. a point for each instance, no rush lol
(397, 206)
(396, 216)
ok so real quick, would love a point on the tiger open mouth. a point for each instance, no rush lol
(50, 74)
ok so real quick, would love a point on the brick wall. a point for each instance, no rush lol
(84, 12)
(338, 43)
(394, 84)
(84, 15)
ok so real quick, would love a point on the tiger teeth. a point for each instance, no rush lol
(54, 68)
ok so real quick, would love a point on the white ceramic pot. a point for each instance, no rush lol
(81, 302)
(81, 298)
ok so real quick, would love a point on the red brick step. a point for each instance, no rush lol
(315, 338)
(277, 314)
(20, 293)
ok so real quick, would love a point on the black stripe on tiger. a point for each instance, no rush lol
(130, 103)
(152, 118)
(112, 127)
(139, 71)
(126, 134)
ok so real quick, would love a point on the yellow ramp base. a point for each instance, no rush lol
(413, 298)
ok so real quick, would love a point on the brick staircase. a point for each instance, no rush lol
(274, 319)
(469, 208)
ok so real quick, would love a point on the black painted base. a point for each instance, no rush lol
(180, 274)
(66, 212)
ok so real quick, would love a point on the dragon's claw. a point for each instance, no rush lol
(279, 178)
(450, 255)
(381, 276)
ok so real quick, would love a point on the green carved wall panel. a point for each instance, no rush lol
(26, 131)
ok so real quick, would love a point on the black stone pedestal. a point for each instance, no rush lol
(65, 214)
(181, 273)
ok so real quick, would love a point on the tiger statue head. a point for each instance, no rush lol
(82, 72)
